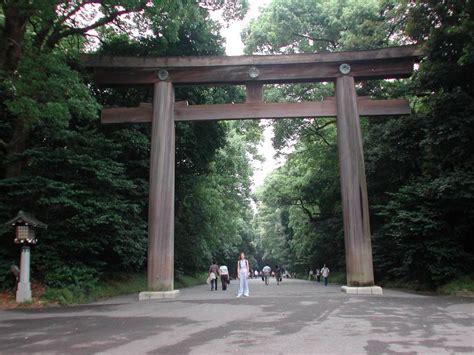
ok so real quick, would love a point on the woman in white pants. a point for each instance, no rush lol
(242, 274)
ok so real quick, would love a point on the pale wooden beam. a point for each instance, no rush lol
(326, 108)
(392, 107)
(255, 111)
(253, 92)
(142, 113)
(355, 208)
(126, 114)
(98, 61)
(161, 199)
(275, 73)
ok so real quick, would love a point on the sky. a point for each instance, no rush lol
(232, 33)
(234, 46)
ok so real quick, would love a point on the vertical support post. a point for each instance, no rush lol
(161, 206)
(355, 205)
(23, 292)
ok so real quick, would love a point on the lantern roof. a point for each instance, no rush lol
(26, 218)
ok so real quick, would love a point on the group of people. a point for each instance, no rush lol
(243, 271)
(216, 271)
(267, 272)
(323, 272)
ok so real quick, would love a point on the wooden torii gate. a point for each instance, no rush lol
(344, 68)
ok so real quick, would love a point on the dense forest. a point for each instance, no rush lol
(89, 182)
(419, 167)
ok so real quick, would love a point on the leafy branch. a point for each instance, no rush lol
(333, 43)
(59, 32)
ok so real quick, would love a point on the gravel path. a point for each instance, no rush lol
(296, 317)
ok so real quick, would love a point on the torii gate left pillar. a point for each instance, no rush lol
(161, 198)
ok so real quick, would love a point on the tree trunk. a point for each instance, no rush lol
(17, 145)
(13, 36)
(11, 50)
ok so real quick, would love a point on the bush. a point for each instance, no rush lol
(66, 296)
(7, 280)
(183, 281)
(112, 285)
(338, 278)
(78, 277)
(461, 286)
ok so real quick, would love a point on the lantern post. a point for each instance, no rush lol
(25, 236)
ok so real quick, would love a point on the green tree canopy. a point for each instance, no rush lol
(419, 168)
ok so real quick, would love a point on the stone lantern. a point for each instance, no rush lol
(25, 225)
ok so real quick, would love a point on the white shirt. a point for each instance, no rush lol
(243, 265)
(223, 270)
(325, 271)
(267, 269)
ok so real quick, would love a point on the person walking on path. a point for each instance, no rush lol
(224, 272)
(318, 275)
(266, 273)
(325, 273)
(213, 273)
(242, 274)
(278, 274)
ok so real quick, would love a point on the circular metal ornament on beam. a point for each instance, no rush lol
(163, 74)
(254, 72)
(345, 68)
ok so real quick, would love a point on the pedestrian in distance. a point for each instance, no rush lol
(213, 273)
(325, 274)
(266, 274)
(224, 272)
(311, 274)
(278, 274)
(243, 270)
(318, 275)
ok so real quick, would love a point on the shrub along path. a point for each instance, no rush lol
(294, 317)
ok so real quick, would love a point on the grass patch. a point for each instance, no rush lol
(405, 285)
(338, 278)
(184, 281)
(114, 285)
(462, 286)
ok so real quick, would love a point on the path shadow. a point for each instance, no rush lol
(79, 334)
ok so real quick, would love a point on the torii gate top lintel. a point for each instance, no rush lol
(385, 63)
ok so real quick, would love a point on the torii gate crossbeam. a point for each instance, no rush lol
(344, 68)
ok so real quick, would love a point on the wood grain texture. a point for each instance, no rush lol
(326, 108)
(97, 61)
(255, 111)
(358, 247)
(161, 199)
(274, 73)
(126, 114)
(253, 92)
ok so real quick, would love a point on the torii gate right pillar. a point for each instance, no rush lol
(355, 207)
